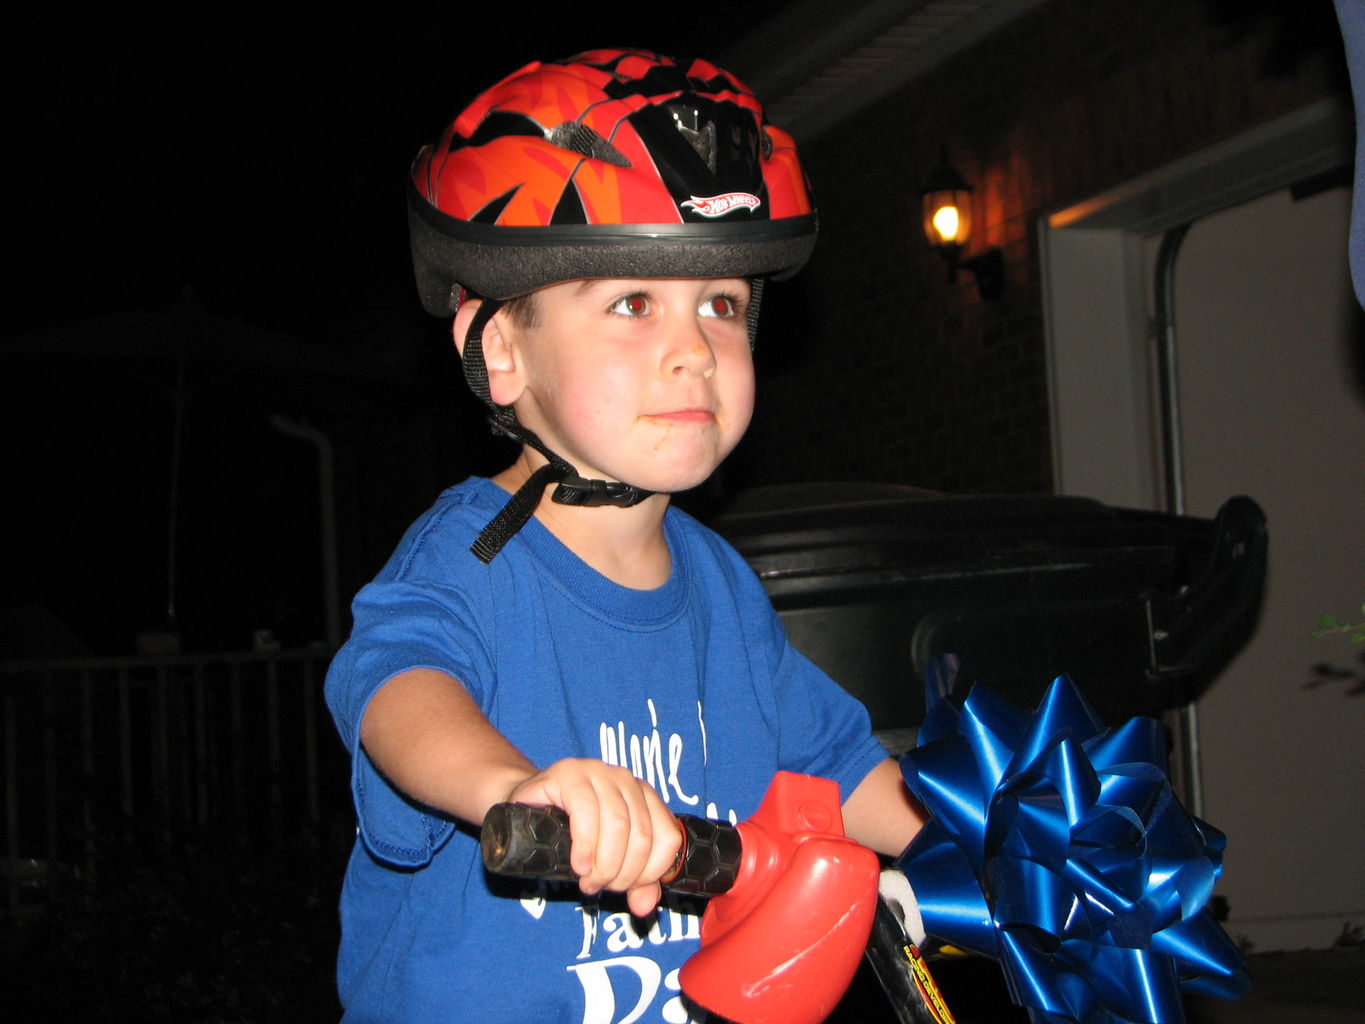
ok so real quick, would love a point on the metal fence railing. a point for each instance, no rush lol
(130, 750)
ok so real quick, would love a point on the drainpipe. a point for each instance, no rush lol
(1173, 467)
(327, 525)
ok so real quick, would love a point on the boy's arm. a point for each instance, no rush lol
(881, 813)
(429, 738)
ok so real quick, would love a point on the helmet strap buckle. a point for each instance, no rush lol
(572, 488)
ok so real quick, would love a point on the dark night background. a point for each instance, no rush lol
(231, 190)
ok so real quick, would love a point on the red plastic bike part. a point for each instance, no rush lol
(782, 946)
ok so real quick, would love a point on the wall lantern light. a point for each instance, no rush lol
(947, 208)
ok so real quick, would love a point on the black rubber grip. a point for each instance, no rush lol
(709, 859)
(533, 842)
(530, 842)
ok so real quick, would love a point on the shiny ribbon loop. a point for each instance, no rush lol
(1057, 847)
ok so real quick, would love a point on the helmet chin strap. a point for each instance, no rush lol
(571, 489)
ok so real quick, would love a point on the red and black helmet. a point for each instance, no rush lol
(613, 163)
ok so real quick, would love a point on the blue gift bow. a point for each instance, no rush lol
(1057, 847)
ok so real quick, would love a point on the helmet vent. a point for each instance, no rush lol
(700, 135)
(579, 138)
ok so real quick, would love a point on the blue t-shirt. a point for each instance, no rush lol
(693, 686)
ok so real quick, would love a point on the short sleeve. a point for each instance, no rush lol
(825, 731)
(403, 623)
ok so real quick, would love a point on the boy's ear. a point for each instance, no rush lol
(501, 356)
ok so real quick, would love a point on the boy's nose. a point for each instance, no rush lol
(691, 352)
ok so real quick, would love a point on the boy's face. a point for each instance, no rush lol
(646, 381)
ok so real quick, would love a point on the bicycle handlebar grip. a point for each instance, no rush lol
(709, 859)
(533, 842)
(530, 842)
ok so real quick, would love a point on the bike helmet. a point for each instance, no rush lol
(612, 163)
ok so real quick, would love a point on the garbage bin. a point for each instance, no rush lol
(873, 581)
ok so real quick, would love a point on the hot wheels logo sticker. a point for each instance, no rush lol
(719, 206)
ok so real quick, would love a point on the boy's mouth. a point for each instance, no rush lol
(683, 416)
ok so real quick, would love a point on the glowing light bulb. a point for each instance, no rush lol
(946, 223)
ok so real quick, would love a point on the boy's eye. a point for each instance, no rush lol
(631, 305)
(722, 306)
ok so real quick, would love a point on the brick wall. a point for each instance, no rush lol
(872, 364)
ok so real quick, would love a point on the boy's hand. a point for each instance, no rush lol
(624, 838)
(426, 734)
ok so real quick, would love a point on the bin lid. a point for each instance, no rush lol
(875, 580)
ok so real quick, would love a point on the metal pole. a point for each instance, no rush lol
(327, 521)
(1173, 475)
(1172, 444)
(173, 519)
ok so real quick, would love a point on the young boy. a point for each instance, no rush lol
(558, 634)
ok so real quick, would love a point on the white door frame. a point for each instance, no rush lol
(1101, 393)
